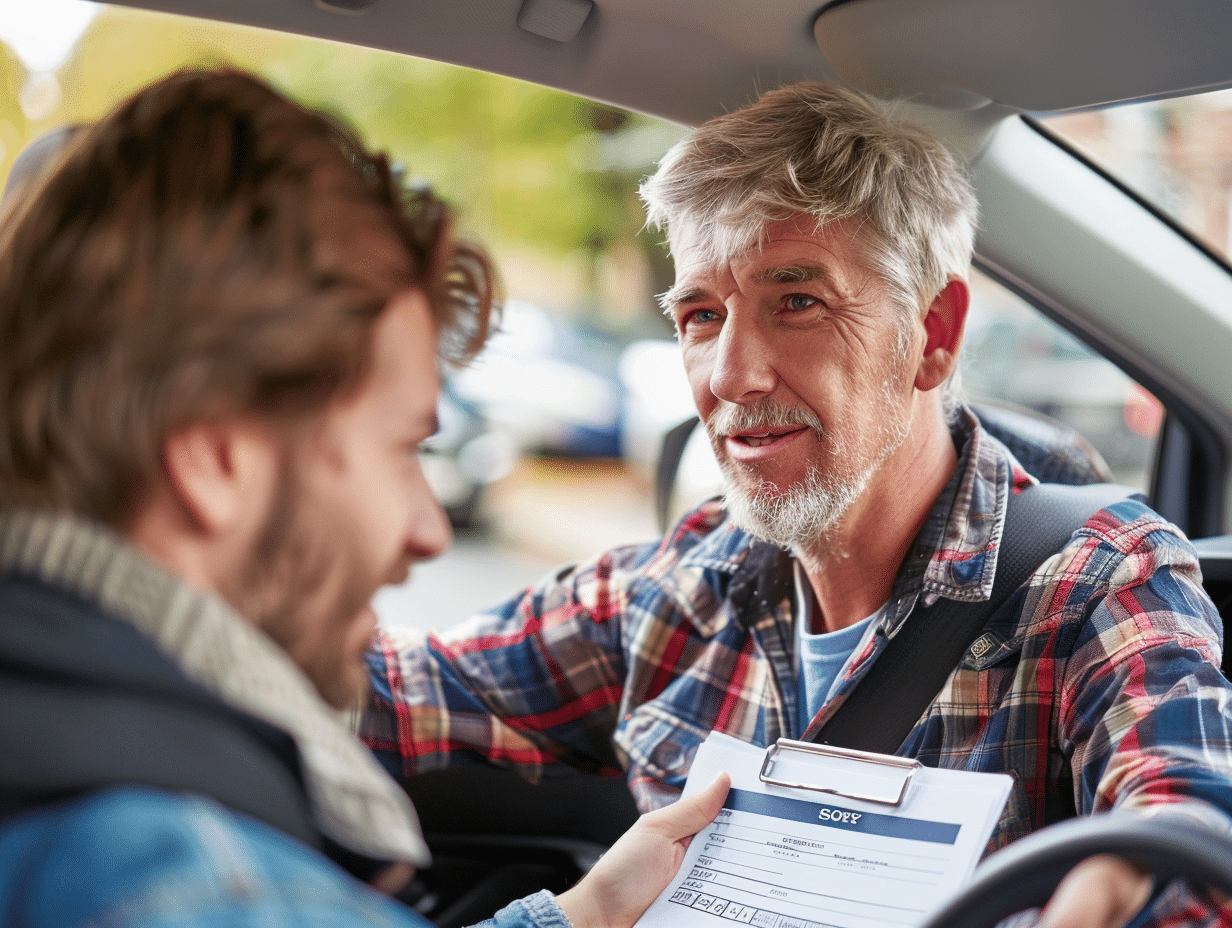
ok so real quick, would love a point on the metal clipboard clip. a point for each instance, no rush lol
(894, 773)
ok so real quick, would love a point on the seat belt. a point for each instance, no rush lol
(909, 673)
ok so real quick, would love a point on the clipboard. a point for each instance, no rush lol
(812, 835)
(895, 784)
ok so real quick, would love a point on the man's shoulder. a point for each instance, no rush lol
(1129, 527)
(91, 857)
(1125, 523)
(1119, 526)
(105, 822)
(130, 834)
(689, 565)
(1137, 562)
(136, 856)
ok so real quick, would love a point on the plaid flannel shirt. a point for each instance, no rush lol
(1096, 685)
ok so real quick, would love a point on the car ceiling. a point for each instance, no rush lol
(972, 57)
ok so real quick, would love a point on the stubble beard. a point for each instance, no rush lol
(801, 517)
(281, 586)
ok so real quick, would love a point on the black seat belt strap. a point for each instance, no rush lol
(916, 662)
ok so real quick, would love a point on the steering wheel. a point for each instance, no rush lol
(1024, 874)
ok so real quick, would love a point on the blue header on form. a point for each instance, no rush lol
(831, 816)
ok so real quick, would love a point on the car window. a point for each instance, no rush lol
(1175, 153)
(1013, 356)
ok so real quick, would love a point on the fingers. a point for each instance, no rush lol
(1104, 891)
(637, 867)
(688, 816)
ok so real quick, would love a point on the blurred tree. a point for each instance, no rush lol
(525, 163)
(13, 129)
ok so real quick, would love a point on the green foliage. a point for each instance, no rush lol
(524, 163)
(14, 131)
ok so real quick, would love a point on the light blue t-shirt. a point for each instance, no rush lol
(819, 658)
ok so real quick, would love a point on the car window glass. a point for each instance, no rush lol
(1015, 357)
(1175, 153)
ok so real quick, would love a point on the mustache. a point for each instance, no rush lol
(734, 418)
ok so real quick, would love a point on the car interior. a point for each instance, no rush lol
(1059, 232)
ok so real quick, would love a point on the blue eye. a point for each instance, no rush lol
(697, 317)
(801, 301)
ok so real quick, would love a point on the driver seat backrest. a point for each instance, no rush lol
(1049, 450)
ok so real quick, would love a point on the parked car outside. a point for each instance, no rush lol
(1012, 355)
(546, 383)
(465, 456)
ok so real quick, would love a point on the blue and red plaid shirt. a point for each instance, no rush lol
(1100, 689)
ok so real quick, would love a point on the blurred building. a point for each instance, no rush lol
(1176, 153)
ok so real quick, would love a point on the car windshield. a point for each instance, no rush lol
(1176, 153)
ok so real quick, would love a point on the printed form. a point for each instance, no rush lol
(807, 856)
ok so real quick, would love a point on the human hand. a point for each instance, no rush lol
(1104, 891)
(621, 886)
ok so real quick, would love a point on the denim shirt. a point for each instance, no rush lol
(149, 859)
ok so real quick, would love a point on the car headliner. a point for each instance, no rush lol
(715, 55)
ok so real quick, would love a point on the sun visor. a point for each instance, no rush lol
(1031, 55)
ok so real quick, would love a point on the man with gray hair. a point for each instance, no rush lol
(822, 252)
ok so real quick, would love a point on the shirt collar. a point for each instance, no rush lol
(727, 575)
(960, 542)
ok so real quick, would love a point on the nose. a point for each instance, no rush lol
(430, 532)
(743, 362)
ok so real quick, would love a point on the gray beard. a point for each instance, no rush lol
(799, 518)
(803, 517)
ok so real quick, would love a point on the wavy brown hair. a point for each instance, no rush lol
(208, 249)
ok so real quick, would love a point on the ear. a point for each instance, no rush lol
(943, 329)
(218, 473)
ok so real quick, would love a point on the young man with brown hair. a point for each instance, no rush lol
(221, 322)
